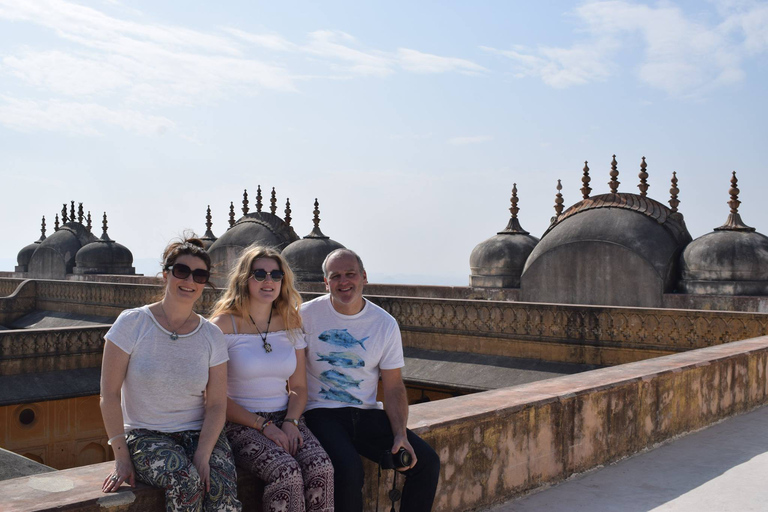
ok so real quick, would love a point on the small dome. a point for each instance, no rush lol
(22, 259)
(306, 256)
(498, 262)
(104, 257)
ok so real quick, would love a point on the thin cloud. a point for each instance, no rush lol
(463, 141)
(419, 62)
(682, 56)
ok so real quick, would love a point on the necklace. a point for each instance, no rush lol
(267, 346)
(174, 332)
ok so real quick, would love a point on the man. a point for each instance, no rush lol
(351, 343)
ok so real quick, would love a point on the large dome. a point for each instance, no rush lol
(55, 256)
(617, 248)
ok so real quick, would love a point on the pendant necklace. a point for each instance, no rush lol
(174, 332)
(267, 346)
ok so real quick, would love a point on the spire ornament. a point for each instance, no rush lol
(513, 226)
(80, 213)
(273, 203)
(88, 220)
(245, 202)
(585, 189)
(64, 218)
(231, 214)
(258, 198)
(72, 213)
(559, 199)
(56, 223)
(673, 201)
(316, 233)
(614, 183)
(42, 230)
(643, 186)
(734, 222)
(208, 225)
(287, 211)
(104, 235)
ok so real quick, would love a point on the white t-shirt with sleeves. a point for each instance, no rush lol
(256, 380)
(346, 352)
(165, 379)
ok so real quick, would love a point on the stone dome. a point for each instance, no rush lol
(306, 256)
(618, 248)
(258, 228)
(25, 255)
(104, 257)
(55, 256)
(731, 260)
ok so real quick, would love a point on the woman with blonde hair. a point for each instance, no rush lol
(259, 315)
(163, 392)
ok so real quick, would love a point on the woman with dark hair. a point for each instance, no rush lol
(259, 315)
(163, 392)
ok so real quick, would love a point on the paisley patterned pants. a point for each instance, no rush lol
(303, 483)
(164, 460)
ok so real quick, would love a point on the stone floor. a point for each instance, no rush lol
(722, 468)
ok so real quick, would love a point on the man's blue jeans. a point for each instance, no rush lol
(349, 431)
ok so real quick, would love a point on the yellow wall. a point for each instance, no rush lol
(64, 433)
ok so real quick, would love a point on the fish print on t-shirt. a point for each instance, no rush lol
(338, 382)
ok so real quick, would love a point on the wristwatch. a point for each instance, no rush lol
(292, 420)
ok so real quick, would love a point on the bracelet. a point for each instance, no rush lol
(256, 422)
(266, 424)
(115, 437)
(292, 420)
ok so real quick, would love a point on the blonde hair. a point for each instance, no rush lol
(236, 298)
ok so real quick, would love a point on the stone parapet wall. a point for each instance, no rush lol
(499, 444)
(565, 333)
(8, 285)
(19, 302)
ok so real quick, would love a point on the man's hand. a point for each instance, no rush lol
(401, 441)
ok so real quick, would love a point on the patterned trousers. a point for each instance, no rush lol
(303, 483)
(164, 460)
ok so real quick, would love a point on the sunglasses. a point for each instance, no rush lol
(182, 271)
(260, 274)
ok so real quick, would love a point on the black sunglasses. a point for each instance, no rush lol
(260, 274)
(182, 271)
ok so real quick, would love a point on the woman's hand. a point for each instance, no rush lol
(123, 472)
(277, 436)
(295, 439)
(200, 462)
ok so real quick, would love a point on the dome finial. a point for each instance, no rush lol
(56, 223)
(64, 218)
(316, 233)
(258, 198)
(513, 226)
(559, 199)
(614, 183)
(245, 201)
(88, 220)
(42, 230)
(104, 235)
(287, 211)
(273, 202)
(231, 214)
(208, 225)
(673, 201)
(643, 186)
(72, 213)
(734, 222)
(80, 213)
(585, 189)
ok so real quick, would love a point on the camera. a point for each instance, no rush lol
(401, 459)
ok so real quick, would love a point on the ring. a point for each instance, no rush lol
(114, 478)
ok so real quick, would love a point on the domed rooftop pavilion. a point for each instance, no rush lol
(257, 227)
(616, 248)
(498, 261)
(731, 260)
(104, 256)
(306, 256)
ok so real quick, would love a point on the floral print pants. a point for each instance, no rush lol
(293, 484)
(164, 460)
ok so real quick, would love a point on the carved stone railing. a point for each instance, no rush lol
(8, 286)
(44, 350)
(661, 330)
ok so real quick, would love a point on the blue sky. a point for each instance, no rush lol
(409, 121)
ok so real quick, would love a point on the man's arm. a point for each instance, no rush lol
(396, 407)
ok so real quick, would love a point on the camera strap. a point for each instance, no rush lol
(394, 494)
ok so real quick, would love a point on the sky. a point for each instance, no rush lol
(408, 121)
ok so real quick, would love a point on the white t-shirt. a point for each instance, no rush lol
(346, 352)
(256, 379)
(165, 379)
